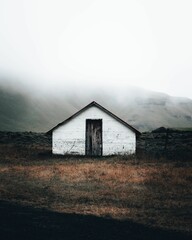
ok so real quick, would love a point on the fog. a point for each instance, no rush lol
(57, 47)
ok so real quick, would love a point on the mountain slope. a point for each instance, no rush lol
(143, 109)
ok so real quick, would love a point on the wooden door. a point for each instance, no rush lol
(94, 137)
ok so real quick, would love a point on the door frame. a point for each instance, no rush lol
(95, 119)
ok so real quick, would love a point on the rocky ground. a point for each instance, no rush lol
(166, 143)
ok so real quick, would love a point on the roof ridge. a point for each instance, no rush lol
(94, 103)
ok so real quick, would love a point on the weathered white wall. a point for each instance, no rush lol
(70, 137)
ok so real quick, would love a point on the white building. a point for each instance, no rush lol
(94, 131)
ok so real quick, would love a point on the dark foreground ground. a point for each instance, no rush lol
(19, 222)
(52, 197)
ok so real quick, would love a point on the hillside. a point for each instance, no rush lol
(145, 110)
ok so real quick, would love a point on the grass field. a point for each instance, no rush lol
(150, 192)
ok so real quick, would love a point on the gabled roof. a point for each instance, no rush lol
(100, 107)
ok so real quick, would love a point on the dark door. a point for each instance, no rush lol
(94, 137)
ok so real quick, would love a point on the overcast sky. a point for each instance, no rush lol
(53, 43)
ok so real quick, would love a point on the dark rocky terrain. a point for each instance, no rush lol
(25, 138)
(166, 143)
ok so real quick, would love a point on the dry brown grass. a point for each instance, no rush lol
(153, 193)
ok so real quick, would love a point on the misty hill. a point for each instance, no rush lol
(145, 110)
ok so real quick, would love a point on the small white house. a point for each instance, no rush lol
(94, 131)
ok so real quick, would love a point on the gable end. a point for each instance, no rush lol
(101, 108)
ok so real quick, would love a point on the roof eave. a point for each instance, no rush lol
(100, 107)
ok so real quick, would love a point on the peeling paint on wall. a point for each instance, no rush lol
(70, 138)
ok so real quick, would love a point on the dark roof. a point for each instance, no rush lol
(103, 109)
